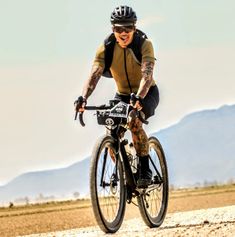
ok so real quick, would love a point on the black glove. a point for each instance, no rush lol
(134, 98)
(80, 103)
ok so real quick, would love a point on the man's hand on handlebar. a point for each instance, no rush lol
(80, 104)
(136, 101)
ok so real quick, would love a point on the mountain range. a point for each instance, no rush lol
(200, 149)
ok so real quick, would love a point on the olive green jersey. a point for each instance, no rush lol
(132, 68)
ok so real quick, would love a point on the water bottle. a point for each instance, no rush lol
(134, 162)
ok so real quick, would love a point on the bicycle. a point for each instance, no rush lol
(114, 172)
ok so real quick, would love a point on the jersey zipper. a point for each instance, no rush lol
(129, 84)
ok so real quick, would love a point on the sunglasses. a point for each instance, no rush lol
(120, 29)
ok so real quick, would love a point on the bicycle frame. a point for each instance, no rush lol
(120, 151)
(111, 176)
(121, 154)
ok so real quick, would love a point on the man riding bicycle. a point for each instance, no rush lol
(128, 56)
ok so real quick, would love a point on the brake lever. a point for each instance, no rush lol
(76, 115)
(81, 119)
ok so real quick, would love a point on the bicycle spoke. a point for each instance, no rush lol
(108, 189)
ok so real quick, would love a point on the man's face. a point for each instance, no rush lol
(124, 34)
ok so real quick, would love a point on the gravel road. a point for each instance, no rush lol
(206, 222)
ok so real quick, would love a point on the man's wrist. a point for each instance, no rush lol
(139, 97)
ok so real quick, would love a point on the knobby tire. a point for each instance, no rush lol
(157, 199)
(100, 202)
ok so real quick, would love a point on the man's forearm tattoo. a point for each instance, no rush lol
(92, 81)
(147, 78)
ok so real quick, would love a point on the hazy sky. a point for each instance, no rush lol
(46, 52)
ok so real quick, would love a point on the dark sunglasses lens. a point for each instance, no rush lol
(120, 29)
(130, 28)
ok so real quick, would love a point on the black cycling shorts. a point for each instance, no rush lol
(150, 101)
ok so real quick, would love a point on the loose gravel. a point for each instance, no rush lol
(206, 222)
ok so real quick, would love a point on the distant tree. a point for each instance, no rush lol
(11, 204)
(40, 197)
(231, 181)
(205, 183)
(76, 195)
(26, 199)
(197, 184)
(22, 200)
(214, 183)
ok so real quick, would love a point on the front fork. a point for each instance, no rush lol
(129, 177)
(119, 153)
(114, 178)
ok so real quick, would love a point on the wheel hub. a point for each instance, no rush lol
(113, 184)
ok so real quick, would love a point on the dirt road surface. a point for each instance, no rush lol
(206, 222)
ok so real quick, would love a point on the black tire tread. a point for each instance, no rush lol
(110, 227)
(141, 205)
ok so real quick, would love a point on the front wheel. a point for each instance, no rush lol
(108, 194)
(154, 200)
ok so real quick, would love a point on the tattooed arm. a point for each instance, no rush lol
(147, 78)
(92, 81)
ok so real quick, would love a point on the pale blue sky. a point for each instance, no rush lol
(46, 51)
(50, 30)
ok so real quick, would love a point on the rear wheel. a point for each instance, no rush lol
(154, 200)
(108, 195)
